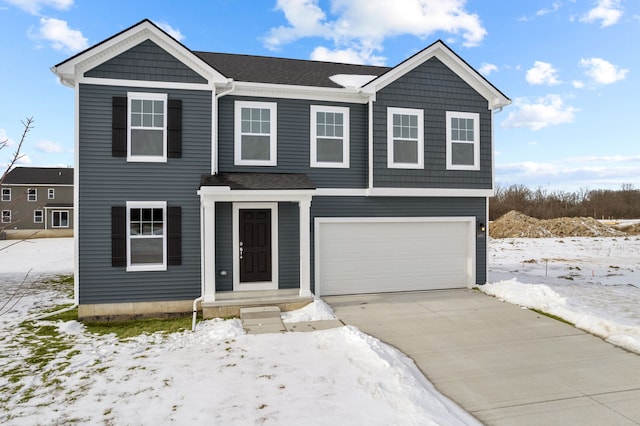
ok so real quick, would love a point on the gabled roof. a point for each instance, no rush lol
(442, 52)
(220, 68)
(264, 69)
(39, 176)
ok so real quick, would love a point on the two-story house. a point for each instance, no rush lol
(37, 201)
(237, 180)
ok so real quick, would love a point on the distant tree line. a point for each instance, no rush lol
(543, 204)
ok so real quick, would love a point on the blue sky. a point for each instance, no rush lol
(570, 66)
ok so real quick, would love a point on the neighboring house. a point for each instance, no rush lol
(245, 180)
(38, 199)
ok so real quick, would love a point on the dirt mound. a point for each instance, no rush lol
(630, 229)
(517, 225)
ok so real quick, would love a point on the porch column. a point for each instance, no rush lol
(305, 250)
(208, 256)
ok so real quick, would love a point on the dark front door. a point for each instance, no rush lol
(255, 245)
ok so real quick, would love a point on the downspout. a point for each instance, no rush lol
(214, 170)
(370, 137)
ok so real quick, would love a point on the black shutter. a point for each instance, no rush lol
(174, 235)
(174, 128)
(118, 236)
(119, 127)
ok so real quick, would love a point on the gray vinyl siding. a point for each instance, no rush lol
(106, 181)
(404, 207)
(294, 142)
(224, 247)
(146, 61)
(436, 89)
(288, 246)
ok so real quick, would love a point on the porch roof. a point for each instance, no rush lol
(259, 181)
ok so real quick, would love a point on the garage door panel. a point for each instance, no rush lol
(382, 256)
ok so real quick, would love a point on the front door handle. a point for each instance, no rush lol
(241, 250)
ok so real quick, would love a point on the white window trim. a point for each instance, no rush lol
(35, 218)
(147, 205)
(35, 195)
(405, 111)
(273, 135)
(8, 192)
(3, 217)
(314, 137)
(53, 213)
(476, 142)
(147, 158)
(51, 193)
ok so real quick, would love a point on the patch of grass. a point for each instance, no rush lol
(555, 317)
(62, 283)
(133, 328)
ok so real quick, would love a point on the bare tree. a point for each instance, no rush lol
(17, 154)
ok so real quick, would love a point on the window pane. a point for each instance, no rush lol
(320, 130)
(338, 130)
(329, 150)
(338, 119)
(147, 106)
(245, 114)
(157, 215)
(136, 105)
(158, 107)
(147, 120)
(146, 250)
(158, 120)
(255, 148)
(265, 127)
(135, 228)
(136, 120)
(462, 154)
(135, 214)
(405, 151)
(146, 142)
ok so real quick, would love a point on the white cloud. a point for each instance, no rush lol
(547, 111)
(4, 138)
(607, 11)
(578, 84)
(24, 160)
(554, 8)
(34, 6)
(49, 146)
(348, 55)
(542, 73)
(603, 72)
(61, 37)
(173, 32)
(364, 24)
(486, 68)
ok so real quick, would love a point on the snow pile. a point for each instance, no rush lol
(518, 225)
(594, 283)
(315, 311)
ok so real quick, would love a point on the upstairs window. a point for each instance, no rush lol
(329, 136)
(255, 134)
(51, 193)
(405, 138)
(6, 194)
(463, 141)
(32, 194)
(147, 127)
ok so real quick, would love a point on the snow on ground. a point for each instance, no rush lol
(216, 375)
(593, 283)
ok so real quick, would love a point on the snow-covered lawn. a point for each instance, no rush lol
(220, 375)
(593, 283)
(217, 375)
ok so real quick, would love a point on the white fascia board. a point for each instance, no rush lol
(214, 194)
(124, 41)
(329, 94)
(146, 84)
(402, 192)
(439, 50)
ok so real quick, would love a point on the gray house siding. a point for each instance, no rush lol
(146, 61)
(294, 142)
(434, 88)
(22, 210)
(288, 246)
(403, 207)
(106, 181)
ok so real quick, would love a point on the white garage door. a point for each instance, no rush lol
(365, 255)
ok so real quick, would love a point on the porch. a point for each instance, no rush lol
(228, 303)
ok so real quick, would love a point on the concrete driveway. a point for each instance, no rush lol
(503, 364)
